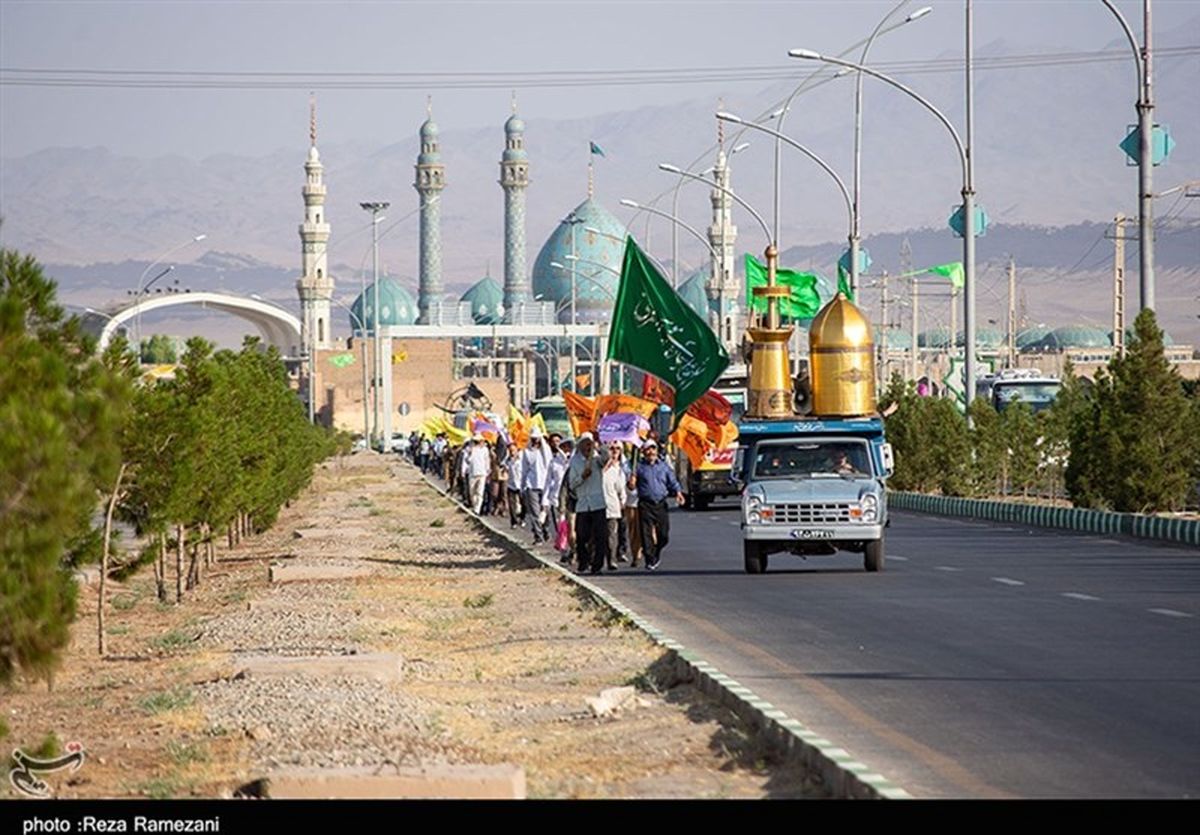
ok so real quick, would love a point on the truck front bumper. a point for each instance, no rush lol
(812, 533)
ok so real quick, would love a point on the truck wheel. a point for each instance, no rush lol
(755, 557)
(873, 556)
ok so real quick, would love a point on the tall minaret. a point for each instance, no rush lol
(315, 285)
(431, 179)
(514, 179)
(724, 294)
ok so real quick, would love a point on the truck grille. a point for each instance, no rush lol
(812, 513)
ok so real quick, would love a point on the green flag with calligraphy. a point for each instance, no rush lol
(804, 301)
(655, 330)
(844, 283)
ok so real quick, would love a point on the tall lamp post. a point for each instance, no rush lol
(856, 233)
(375, 207)
(137, 296)
(362, 330)
(1145, 113)
(968, 197)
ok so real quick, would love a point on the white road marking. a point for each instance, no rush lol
(947, 568)
(1171, 613)
(894, 557)
(1075, 595)
(1008, 581)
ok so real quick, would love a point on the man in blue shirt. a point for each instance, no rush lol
(655, 483)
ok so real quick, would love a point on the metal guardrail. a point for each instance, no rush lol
(1084, 520)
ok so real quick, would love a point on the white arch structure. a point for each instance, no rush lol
(278, 327)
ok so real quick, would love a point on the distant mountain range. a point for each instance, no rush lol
(1048, 171)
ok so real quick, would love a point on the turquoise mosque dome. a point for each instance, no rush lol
(1074, 336)
(1129, 334)
(898, 339)
(487, 301)
(934, 338)
(396, 305)
(986, 338)
(598, 267)
(1029, 338)
(692, 291)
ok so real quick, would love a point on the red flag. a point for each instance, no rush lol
(712, 408)
(656, 390)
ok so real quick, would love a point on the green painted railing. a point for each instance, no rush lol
(1183, 531)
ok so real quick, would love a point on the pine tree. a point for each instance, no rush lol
(990, 452)
(1020, 435)
(60, 409)
(1138, 450)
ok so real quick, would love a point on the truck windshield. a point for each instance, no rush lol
(1039, 395)
(802, 459)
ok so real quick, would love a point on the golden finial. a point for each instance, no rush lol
(312, 118)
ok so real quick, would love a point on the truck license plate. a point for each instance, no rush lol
(807, 533)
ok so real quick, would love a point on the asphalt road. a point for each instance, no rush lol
(987, 660)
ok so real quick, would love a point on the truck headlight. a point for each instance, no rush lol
(870, 507)
(752, 507)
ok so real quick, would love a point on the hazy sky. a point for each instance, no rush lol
(497, 39)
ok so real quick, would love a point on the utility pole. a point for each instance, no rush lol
(883, 331)
(1012, 313)
(906, 267)
(375, 207)
(1119, 286)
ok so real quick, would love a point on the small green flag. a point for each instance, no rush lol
(803, 303)
(653, 329)
(844, 283)
(341, 360)
(953, 271)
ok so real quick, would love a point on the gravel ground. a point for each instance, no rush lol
(499, 657)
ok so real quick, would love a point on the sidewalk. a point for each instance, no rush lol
(434, 644)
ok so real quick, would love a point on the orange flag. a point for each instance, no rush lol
(581, 412)
(607, 404)
(691, 436)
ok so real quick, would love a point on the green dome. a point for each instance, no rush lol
(1030, 337)
(597, 269)
(986, 338)
(1129, 333)
(395, 303)
(692, 291)
(1074, 336)
(487, 301)
(898, 339)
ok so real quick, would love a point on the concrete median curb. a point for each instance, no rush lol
(842, 775)
(1077, 519)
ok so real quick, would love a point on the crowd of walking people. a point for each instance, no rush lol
(601, 505)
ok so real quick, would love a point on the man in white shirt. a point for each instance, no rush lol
(535, 464)
(513, 466)
(478, 465)
(615, 495)
(585, 475)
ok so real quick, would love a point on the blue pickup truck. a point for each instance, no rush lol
(813, 486)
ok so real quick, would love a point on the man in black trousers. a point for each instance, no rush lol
(585, 476)
(655, 483)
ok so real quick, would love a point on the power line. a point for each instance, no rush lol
(86, 77)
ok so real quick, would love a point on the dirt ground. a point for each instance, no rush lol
(499, 658)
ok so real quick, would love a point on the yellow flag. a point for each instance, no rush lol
(691, 436)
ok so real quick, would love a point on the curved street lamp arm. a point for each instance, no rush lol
(1133, 44)
(824, 165)
(962, 151)
(631, 204)
(766, 229)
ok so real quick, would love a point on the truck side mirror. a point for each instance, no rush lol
(736, 474)
(889, 461)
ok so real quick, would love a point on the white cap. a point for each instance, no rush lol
(649, 444)
(535, 432)
(586, 436)
(477, 437)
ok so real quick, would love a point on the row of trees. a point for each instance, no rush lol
(1130, 441)
(217, 451)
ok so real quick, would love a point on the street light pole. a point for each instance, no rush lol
(1145, 112)
(137, 297)
(856, 232)
(968, 196)
(375, 207)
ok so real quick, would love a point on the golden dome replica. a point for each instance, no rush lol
(842, 361)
